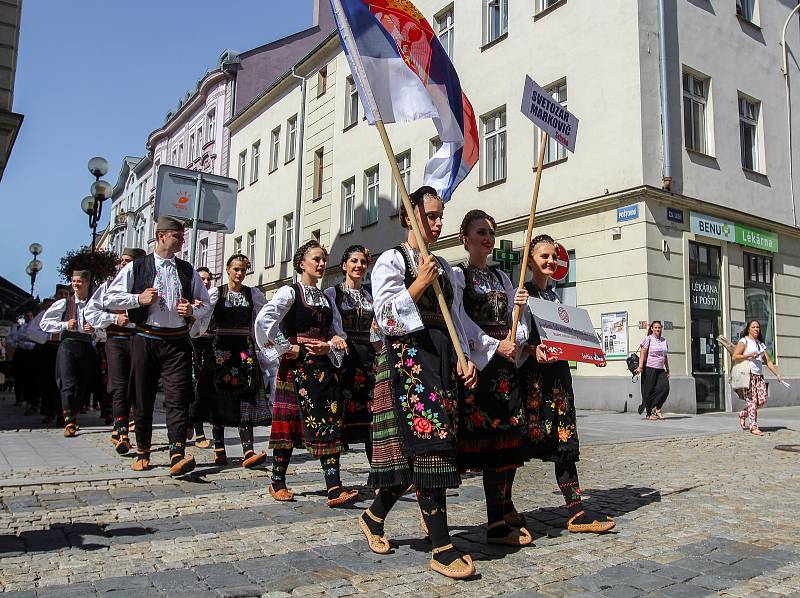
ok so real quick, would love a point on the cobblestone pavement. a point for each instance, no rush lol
(711, 513)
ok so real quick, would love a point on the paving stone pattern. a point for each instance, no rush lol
(698, 515)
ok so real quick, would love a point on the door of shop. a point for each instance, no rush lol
(706, 307)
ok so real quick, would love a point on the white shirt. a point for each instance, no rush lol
(201, 324)
(96, 313)
(162, 313)
(395, 310)
(750, 346)
(267, 326)
(33, 332)
(482, 346)
(52, 320)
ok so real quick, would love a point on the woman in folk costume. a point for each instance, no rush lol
(307, 408)
(491, 424)
(546, 381)
(234, 373)
(416, 403)
(353, 303)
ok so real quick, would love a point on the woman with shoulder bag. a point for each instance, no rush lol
(751, 348)
(654, 368)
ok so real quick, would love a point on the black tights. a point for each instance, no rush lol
(331, 469)
(245, 435)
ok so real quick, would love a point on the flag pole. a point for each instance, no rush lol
(527, 250)
(423, 248)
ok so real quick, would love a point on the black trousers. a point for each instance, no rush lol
(44, 372)
(655, 388)
(118, 357)
(21, 368)
(171, 361)
(76, 366)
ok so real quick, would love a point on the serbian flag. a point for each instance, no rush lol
(403, 73)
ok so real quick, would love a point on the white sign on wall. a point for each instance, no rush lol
(549, 115)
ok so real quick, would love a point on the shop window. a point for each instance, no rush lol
(758, 297)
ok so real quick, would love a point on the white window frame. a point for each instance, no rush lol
(434, 145)
(274, 149)
(288, 238)
(351, 103)
(191, 148)
(495, 20)
(237, 245)
(211, 127)
(180, 154)
(319, 173)
(199, 149)
(555, 152)
(750, 125)
(255, 161)
(251, 248)
(696, 89)
(446, 29)
(348, 205)
(746, 9)
(404, 164)
(291, 138)
(495, 148)
(372, 186)
(542, 5)
(203, 251)
(269, 251)
(242, 169)
(322, 81)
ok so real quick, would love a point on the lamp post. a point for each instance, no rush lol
(100, 191)
(789, 107)
(35, 266)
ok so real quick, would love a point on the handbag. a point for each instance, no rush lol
(740, 375)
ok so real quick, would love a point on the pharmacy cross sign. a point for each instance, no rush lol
(507, 257)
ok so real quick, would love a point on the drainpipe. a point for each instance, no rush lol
(665, 124)
(789, 109)
(301, 119)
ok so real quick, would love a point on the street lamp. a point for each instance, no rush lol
(36, 265)
(100, 191)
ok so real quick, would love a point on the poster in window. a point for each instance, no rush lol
(614, 328)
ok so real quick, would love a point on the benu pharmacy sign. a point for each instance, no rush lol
(726, 230)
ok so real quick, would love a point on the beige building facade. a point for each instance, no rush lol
(702, 244)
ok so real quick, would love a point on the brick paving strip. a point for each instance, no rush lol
(700, 512)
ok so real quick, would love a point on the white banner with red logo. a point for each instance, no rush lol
(567, 332)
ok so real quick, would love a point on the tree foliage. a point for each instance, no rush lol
(102, 264)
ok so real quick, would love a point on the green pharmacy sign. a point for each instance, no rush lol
(726, 230)
(757, 239)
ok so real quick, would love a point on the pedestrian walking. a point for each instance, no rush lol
(654, 370)
(552, 432)
(22, 360)
(491, 420)
(158, 291)
(76, 361)
(352, 304)
(307, 411)
(751, 348)
(119, 330)
(233, 373)
(201, 339)
(43, 375)
(415, 408)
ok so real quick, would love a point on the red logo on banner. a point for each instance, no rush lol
(562, 264)
(564, 315)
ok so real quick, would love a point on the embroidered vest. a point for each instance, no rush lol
(488, 310)
(227, 316)
(428, 305)
(306, 320)
(356, 320)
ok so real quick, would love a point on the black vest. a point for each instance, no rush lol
(489, 310)
(232, 317)
(303, 319)
(144, 275)
(428, 304)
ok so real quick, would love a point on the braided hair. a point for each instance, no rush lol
(542, 239)
(469, 218)
(238, 257)
(417, 199)
(348, 253)
(301, 252)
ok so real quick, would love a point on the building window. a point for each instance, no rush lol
(180, 154)
(288, 237)
(255, 159)
(495, 20)
(175, 156)
(748, 132)
(291, 138)
(269, 254)
(237, 245)
(251, 248)
(351, 104)
(191, 148)
(758, 296)
(316, 235)
(494, 147)
(746, 9)
(555, 151)
(434, 146)
(203, 245)
(446, 29)
(242, 169)
(371, 188)
(319, 171)
(322, 81)
(274, 149)
(211, 124)
(199, 149)
(545, 4)
(695, 100)
(348, 204)
(404, 164)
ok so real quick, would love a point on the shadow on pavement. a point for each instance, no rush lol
(85, 536)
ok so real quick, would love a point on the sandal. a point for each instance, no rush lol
(515, 519)
(254, 459)
(756, 432)
(220, 458)
(345, 497)
(595, 527)
(652, 418)
(377, 544)
(460, 568)
(182, 466)
(423, 526)
(516, 537)
(141, 465)
(659, 415)
(203, 444)
(70, 430)
(282, 495)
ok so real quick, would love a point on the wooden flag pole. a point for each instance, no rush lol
(423, 247)
(527, 250)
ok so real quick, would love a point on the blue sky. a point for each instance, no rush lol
(95, 77)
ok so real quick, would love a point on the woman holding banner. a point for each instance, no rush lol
(546, 382)
(416, 392)
(491, 422)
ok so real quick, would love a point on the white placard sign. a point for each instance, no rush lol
(549, 115)
(566, 331)
(175, 196)
(614, 328)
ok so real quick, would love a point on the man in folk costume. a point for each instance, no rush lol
(159, 292)
(119, 331)
(76, 360)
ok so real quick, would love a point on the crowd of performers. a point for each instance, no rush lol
(342, 366)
